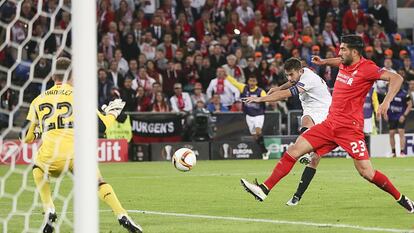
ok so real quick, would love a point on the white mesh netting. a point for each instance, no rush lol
(33, 33)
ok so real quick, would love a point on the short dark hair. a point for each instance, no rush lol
(293, 64)
(252, 76)
(62, 66)
(353, 42)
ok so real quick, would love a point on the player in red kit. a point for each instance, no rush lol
(344, 124)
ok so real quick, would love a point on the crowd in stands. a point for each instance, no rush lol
(175, 55)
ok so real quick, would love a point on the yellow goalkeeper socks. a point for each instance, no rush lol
(43, 186)
(107, 194)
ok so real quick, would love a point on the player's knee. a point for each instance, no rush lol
(294, 151)
(366, 173)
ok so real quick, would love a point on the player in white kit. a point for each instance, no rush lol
(315, 98)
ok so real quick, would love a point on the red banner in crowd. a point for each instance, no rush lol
(14, 151)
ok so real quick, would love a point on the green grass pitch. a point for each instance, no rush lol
(337, 195)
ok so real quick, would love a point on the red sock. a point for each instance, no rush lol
(282, 168)
(385, 184)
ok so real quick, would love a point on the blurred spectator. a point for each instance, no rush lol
(191, 13)
(122, 63)
(377, 32)
(215, 105)
(408, 68)
(240, 60)
(234, 23)
(149, 7)
(157, 29)
(168, 47)
(147, 46)
(411, 89)
(303, 15)
(116, 4)
(102, 62)
(217, 59)
(207, 73)
(123, 13)
(256, 39)
(360, 31)
(379, 13)
(127, 94)
(160, 105)
(180, 101)
(273, 33)
(233, 69)
(191, 46)
(203, 25)
(161, 61)
(153, 72)
(245, 12)
(329, 73)
(170, 76)
(198, 94)
(106, 48)
(266, 48)
(114, 76)
(228, 93)
(143, 102)
(329, 36)
(138, 32)
(106, 15)
(104, 88)
(258, 22)
(132, 71)
(251, 69)
(247, 50)
(237, 106)
(352, 17)
(42, 68)
(143, 80)
(130, 48)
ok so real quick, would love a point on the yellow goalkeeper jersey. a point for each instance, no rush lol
(52, 111)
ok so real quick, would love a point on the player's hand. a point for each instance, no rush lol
(318, 60)
(114, 107)
(251, 99)
(382, 110)
(402, 119)
(272, 90)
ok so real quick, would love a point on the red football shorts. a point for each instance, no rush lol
(327, 136)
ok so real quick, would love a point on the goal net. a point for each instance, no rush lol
(33, 34)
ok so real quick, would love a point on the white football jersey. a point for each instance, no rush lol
(316, 99)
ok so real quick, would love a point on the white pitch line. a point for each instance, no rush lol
(273, 221)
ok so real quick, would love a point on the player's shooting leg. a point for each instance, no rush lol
(366, 170)
(43, 186)
(107, 195)
(288, 160)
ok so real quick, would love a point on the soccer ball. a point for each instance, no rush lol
(184, 159)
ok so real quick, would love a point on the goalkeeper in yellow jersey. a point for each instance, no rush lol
(51, 118)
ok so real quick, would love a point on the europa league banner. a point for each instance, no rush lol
(156, 127)
(165, 151)
(235, 150)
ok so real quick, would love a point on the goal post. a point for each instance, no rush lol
(84, 63)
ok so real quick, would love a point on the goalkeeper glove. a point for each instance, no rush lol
(114, 107)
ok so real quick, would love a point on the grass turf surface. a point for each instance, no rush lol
(337, 195)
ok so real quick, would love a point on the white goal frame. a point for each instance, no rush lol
(84, 57)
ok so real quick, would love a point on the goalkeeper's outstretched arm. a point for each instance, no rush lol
(112, 111)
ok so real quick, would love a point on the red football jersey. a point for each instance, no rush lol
(351, 87)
